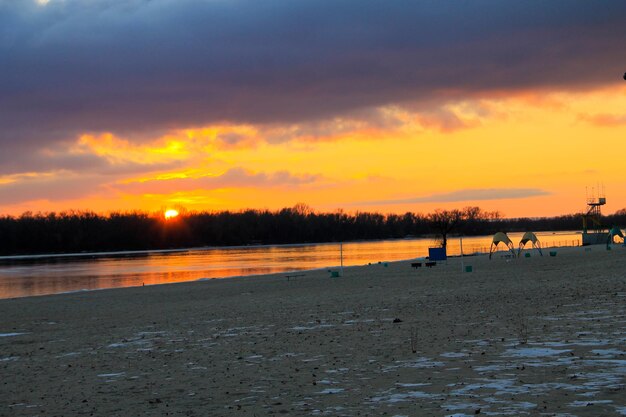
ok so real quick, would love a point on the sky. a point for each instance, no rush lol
(360, 105)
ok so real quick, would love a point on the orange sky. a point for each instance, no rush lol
(109, 105)
(532, 153)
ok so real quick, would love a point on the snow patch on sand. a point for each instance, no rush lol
(454, 354)
(534, 352)
(331, 391)
(312, 327)
(402, 397)
(112, 375)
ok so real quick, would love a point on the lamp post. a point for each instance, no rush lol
(341, 257)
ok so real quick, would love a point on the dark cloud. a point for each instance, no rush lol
(143, 65)
(83, 175)
(40, 160)
(29, 158)
(466, 195)
(56, 188)
(235, 177)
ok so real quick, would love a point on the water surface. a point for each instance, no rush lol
(38, 275)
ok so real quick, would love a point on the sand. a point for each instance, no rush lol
(531, 336)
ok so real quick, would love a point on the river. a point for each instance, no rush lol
(38, 275)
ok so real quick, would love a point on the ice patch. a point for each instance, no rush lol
(331, 391)
(581, 342)
(24, 405)
(589, 394)
(64, 355)
(244, 399)
(525, 404)
(350, 322)
(326, 382)
(402, 397)
(588, 403)
(597, 380)
(501, 387)
(127, 343)
(454, 354)
(315, 327)
(9, 359)
(608, 352)
(113, 375)
(330, 411)
(336, 371)
(533, 352)
(460, 406)
(412, 385)
(493, 368)
(11, 334)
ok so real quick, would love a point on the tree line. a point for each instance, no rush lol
(86, 231)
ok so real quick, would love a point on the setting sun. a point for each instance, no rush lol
(169, 214)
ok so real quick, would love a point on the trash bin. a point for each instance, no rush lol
(334, 274)
(468, 268)
(552, 253)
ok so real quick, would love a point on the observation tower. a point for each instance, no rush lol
(593, 231)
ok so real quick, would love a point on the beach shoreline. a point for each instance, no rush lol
(528, 336)
(42, 276)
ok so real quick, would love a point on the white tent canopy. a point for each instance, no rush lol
(529, 237)
(498, 238)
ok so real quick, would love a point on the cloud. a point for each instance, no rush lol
(233, 178)
(604, 119)
(466, 195)
(130, 67)
(38, 160)
(51, 188)
(72, 157)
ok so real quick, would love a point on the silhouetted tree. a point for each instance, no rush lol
(445, 221)
(76, 231)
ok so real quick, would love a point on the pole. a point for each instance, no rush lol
(462, 265)
(341, 256)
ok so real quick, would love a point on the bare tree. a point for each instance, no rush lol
(445, 221)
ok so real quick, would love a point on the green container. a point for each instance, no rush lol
(385, 264)
(527, 255)
(552, 253)
(334, 274)
(468, 268)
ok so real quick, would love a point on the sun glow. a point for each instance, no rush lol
(170, 214)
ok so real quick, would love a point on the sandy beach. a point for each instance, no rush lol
(530, 336)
